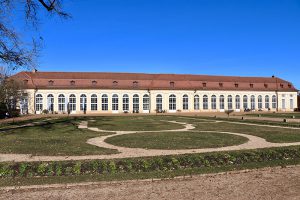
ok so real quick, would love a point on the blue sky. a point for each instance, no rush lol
(222, 37)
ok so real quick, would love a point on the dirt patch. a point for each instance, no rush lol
(267, 183)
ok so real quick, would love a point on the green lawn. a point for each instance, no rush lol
(133, 123)
(62, 137)
(277, 115)
(56, 137)
(176, 140)
(277, 135)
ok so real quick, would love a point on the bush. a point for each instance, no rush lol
(41, 170)
(6, 171)
(58, 169)
(22, 169)
(45, 111)
(77, 168)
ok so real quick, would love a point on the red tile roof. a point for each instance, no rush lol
(104, 80)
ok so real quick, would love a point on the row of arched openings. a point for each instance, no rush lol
(70, 102)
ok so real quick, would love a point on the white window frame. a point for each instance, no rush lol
(185, 102)
(83, 102)
(260, 102)
(267, 102)
(159, 103)
(205, 102)
(146, 103)
(94, 102)
(196, 102)
(72, 103)
(115, 103)
(172, 102)
(104, 102)
(283, 104)
(125, 101)
(292, 104)
(245, 102)
(136, 103)
(50, 102)
(213, 102)
(274, 102)
(61, 103)
(39, 103)
(229, 102)
(252, 101)
(237, 102)
(222, 102)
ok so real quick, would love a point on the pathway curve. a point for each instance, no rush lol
(254, 142)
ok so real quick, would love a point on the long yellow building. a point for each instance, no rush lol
(88, 92)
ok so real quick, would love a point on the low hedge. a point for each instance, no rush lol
(147, 164)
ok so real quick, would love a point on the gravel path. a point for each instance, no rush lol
(254, 142)
(268, 183)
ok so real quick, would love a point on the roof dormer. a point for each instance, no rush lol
(51, 83)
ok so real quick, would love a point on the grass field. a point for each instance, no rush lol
(62, 137)
(56, 137)
(132, 123)
(271, 134)
(176, 140)
(277, 115)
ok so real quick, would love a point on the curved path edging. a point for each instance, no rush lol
(254, 142)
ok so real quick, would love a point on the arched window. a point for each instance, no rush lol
(104, 102)
(237, 102)
(229, 102)
(172, 102)
(274, 102)
(115, 102)
(83, 101)
(125, 102)
(61, 103)
(50, 102)
(159, 103)
(267, 102)
(196, 102)
(185, 102)
(38, 102)
(94, 102)
(213, 102)
(205, 102)
(136, 103)
(222, 102)
(72, 102)
(245, 102)
(146, 102)
(252, 102)
(260, 103)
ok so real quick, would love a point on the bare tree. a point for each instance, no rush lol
(11, 91)
(14, 52)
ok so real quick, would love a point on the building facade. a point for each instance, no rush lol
(78, 92)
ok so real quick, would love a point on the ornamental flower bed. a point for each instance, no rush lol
(148, 164)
